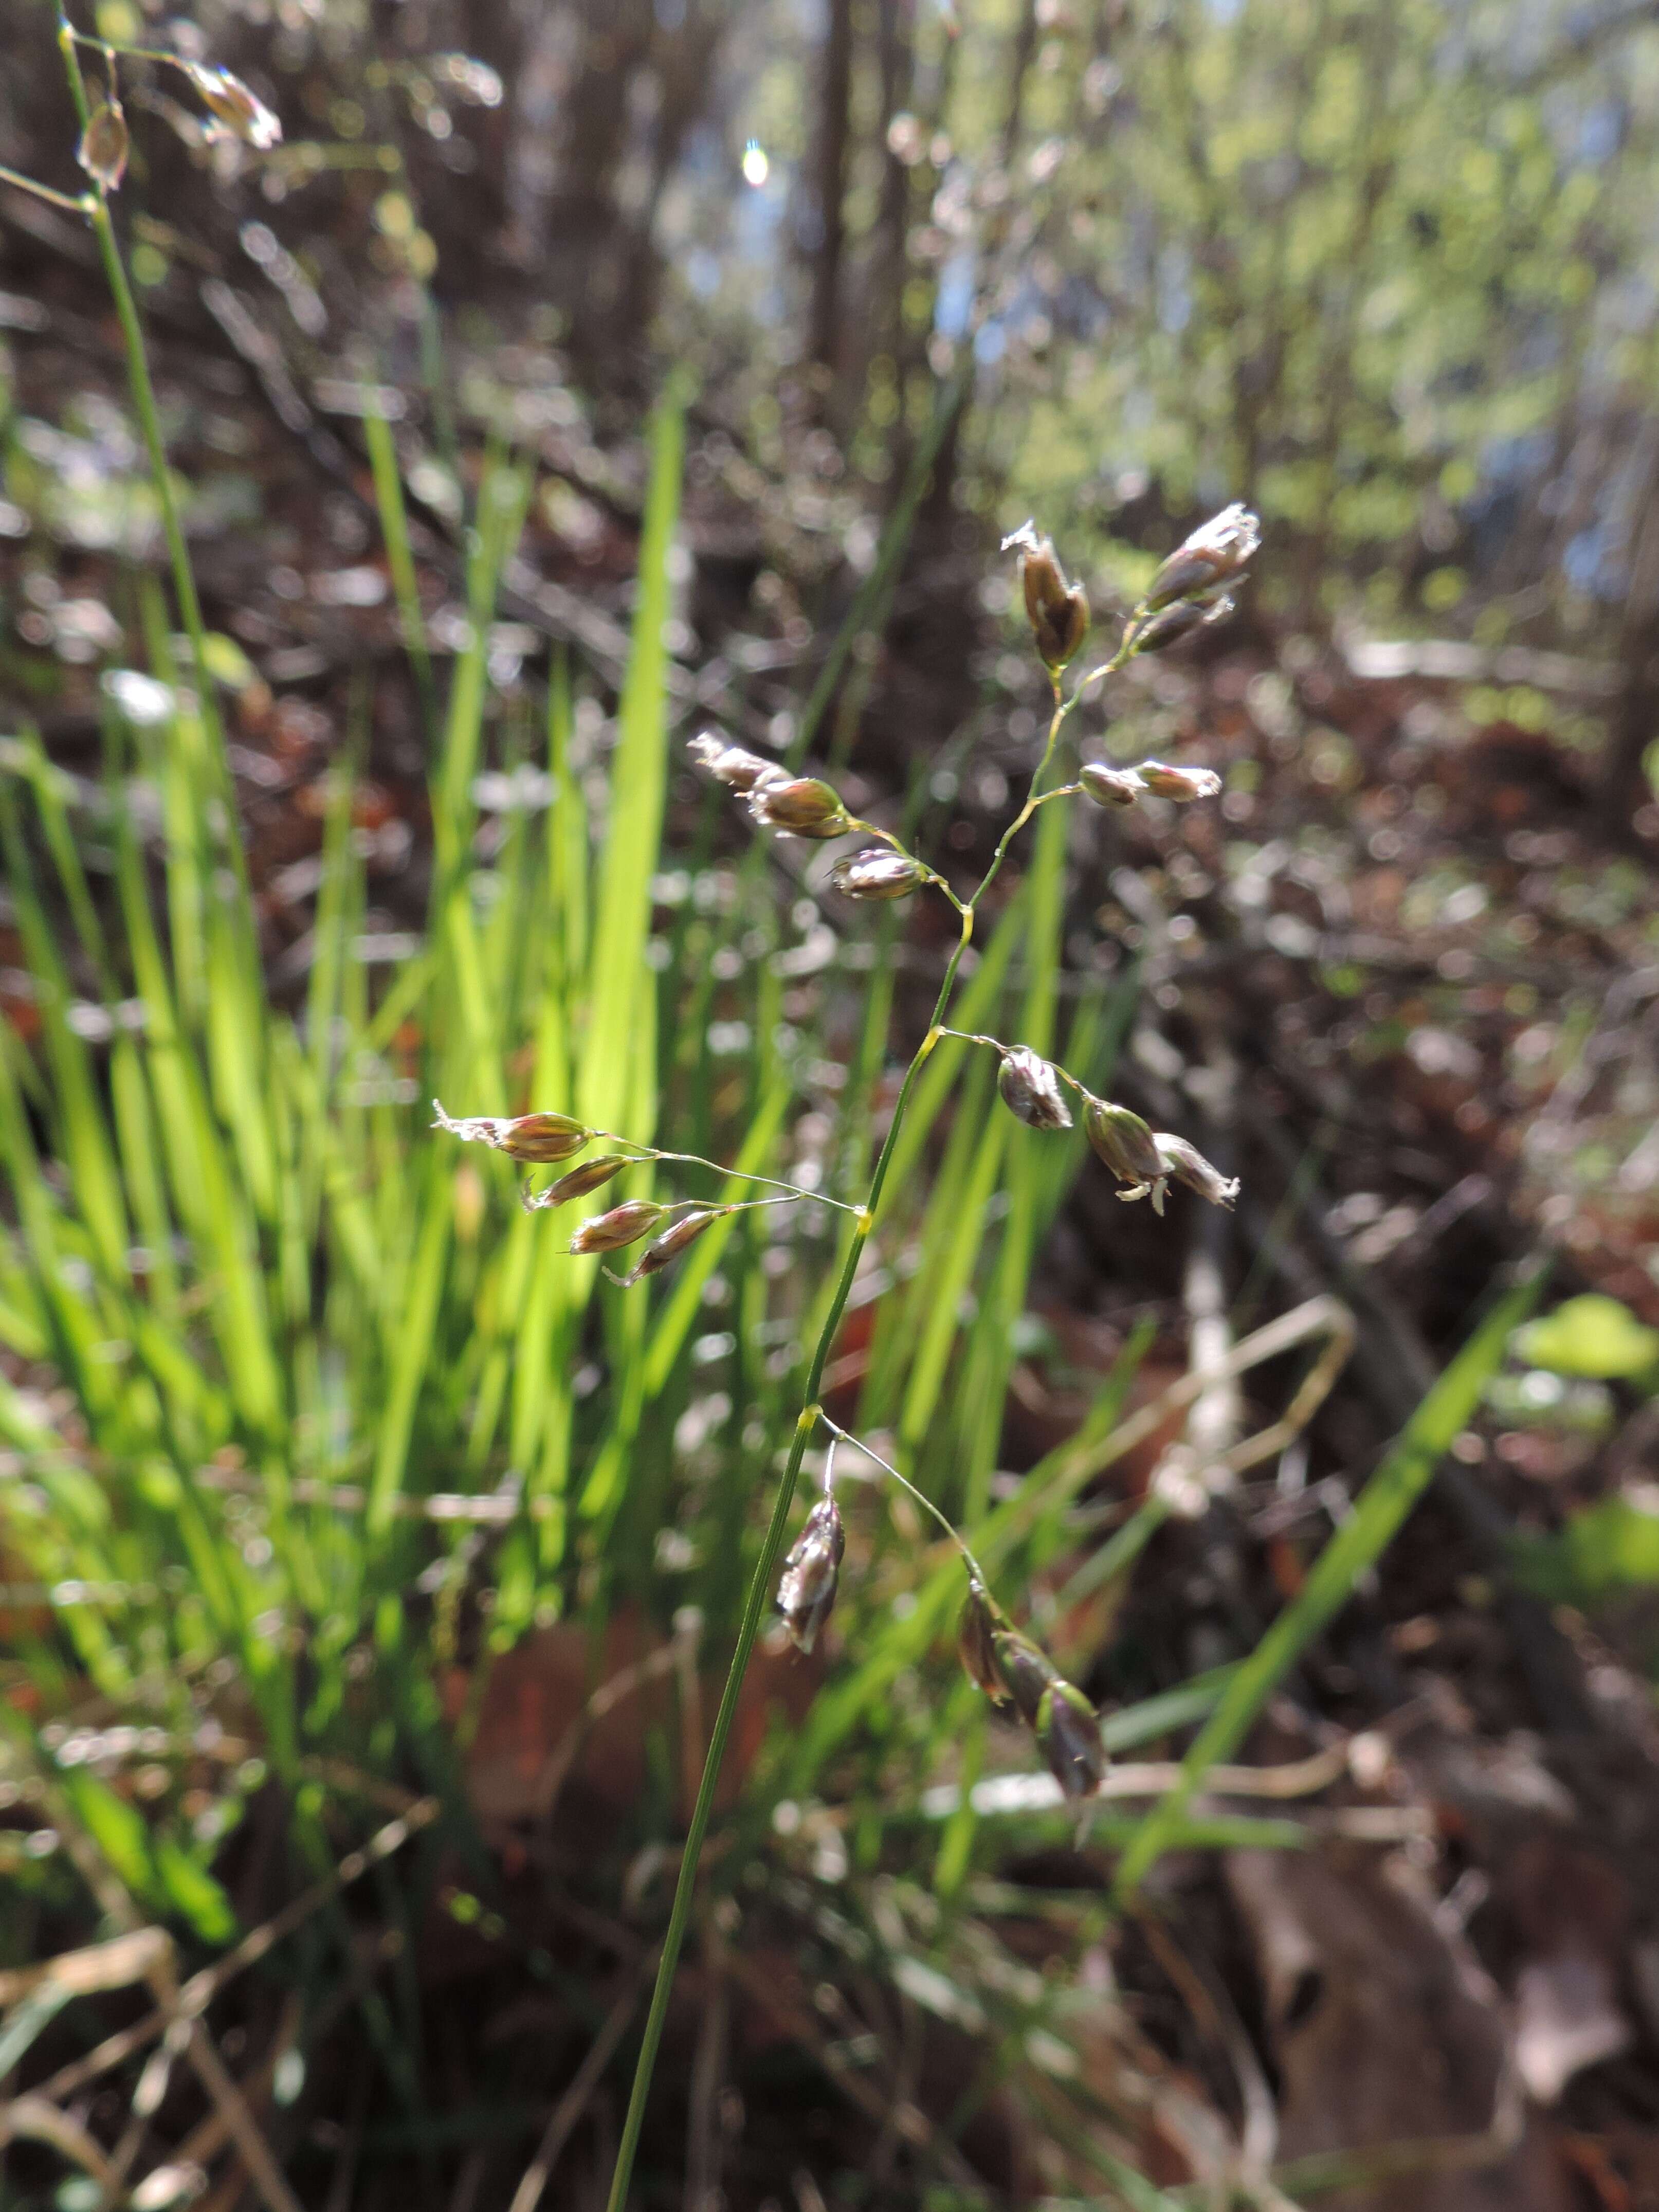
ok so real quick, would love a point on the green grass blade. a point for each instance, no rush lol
(49, 801)
(984, 1398)
(1381, 1506)
(903, 1318)
(339, 903)
(81, 1131)
(976, 1009)
(618, 977)
(417, 1326)
(204, 1193)
(942, 1286)
(400, 559)
(680, 1308)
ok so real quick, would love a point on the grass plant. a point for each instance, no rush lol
(281, 1358)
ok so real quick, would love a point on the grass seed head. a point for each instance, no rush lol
(1123, 1141)
(1030, 1091)
(1217, 551)
(806, 1590)
(591, 1176)
(1067, 1731)
(673, 1242)
(738, 770)
(1058, 610)
(977, 1643)
(801, 805)
(539, 1139)
(1014, 1672)
(1181, 784)
(1110, 787)
(1184, 1163)
(535, 1140)
(230, 103)
(624, 1224)
(102, 152)
(877, 874)
(1157, 632)
(1026, 1667)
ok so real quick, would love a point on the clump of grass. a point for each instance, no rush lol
(293, 1359)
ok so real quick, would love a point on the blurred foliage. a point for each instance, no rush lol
(1594, 1336)
(1385, 271)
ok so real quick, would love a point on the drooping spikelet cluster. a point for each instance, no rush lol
(541, 1139)
(1016, 1674)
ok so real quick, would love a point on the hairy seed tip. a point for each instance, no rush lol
(624, 1224)
(102, 152)
(534, 1140)
(241, 112)
(591, 1176)
(738, 770)
(1030, 1091)
(673, 1242)
(976, 1644)
(1217, 551)
(806, 1590)
(1110, 787)
(1123, 1141)
(802, 806)
(877, 873)
(1185, 1164)
(1058, 610)
(1181, 784)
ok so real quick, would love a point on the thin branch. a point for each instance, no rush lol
(82, 203)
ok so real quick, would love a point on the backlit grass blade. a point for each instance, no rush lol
(471, 1003)
(503, 497)
(618, 977)
(667, 1336)
(339, 902)
(941, 1291)
(400, 559)
(567, 858)
(82, 1133)
(49, 799)
(680, 1309)
(543, 1286)
(906, 1315)
(238, 1057)
(975, 1009)
(414, 1344)
(138, 1140)
(205, 1192)
(1378, 1512)
(71, 1319)
(980, 1412)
